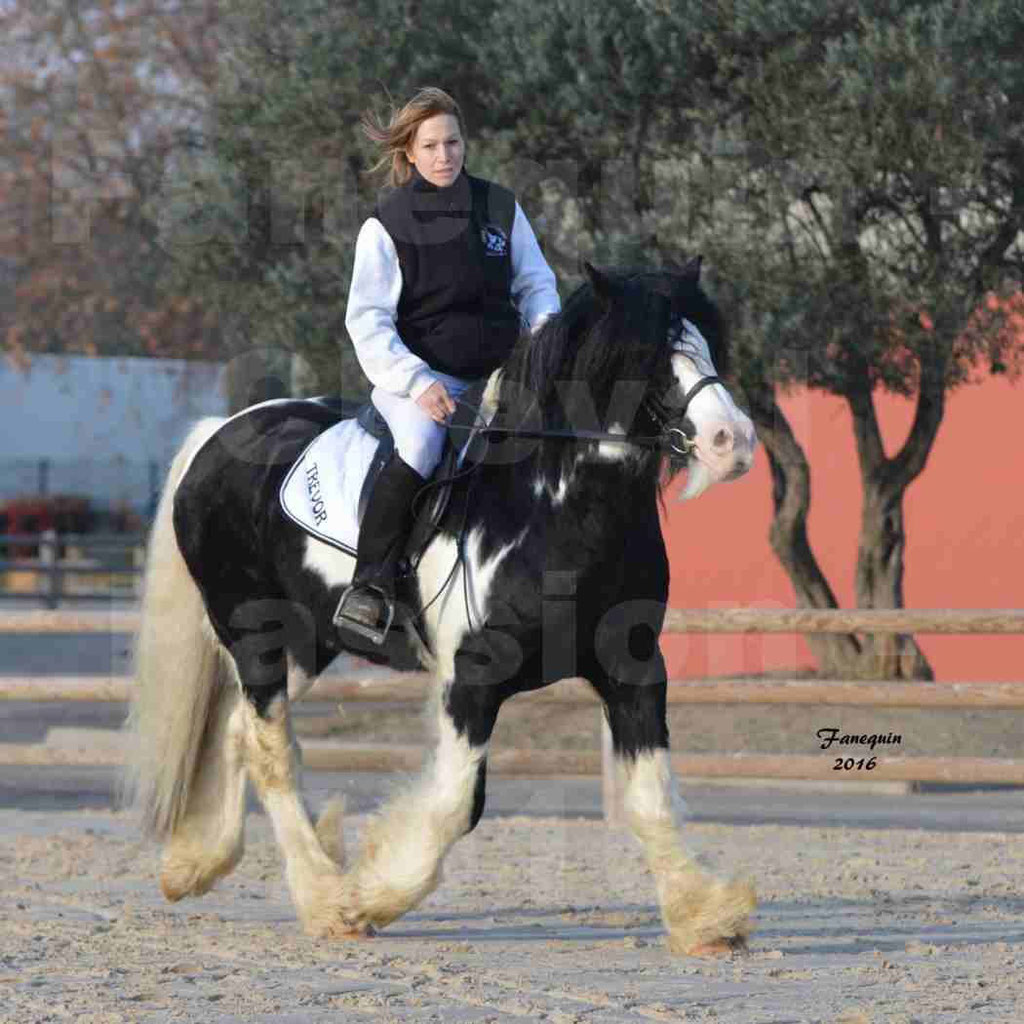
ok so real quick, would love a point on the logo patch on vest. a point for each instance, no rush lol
(495, 240)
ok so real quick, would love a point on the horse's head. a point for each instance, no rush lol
(685, 398)
(636, 353)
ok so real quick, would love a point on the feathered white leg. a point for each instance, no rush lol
(399, 862)
(704, 915)
(312, 854)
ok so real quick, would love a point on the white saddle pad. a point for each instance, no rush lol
(321, 491)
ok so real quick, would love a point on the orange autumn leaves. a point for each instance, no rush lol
(91, 101)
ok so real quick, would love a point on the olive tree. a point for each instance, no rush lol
(865, 198)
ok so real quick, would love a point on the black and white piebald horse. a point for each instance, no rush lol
(548, 562)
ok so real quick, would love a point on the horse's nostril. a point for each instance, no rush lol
(722, 441)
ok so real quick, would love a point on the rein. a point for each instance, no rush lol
(672, 438)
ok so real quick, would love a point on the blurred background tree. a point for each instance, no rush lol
(95, 99)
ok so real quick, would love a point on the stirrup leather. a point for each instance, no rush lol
(342, 621)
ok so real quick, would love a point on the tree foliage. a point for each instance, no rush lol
(853, 171)
(595, 94)
(95, 96)
(867, 213)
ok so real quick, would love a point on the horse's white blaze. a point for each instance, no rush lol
(331, 564)
(698, 480)
(724, 436)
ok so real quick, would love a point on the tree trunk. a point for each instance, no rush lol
(880, 553)
(838, 655)
(882, 540)
(884, 483)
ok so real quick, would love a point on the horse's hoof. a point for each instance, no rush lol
(181, 879)
(345, 932)
(715, 948)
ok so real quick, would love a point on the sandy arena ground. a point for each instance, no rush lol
(537, 920)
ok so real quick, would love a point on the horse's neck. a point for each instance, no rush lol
(570, 481)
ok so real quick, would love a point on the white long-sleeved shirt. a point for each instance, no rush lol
(376, 286)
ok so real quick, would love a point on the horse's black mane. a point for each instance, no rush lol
(594, 338)
(613, 327)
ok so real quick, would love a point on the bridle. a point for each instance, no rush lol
(667, 419)
(670, 436)
(674, 437)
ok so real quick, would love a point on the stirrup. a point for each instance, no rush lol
(342, 621)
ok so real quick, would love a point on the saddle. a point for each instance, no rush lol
(327, 489)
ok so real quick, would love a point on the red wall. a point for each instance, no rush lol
(965, 534)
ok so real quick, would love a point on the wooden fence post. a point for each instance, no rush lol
(49, 550)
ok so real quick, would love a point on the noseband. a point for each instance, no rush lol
(674, 437)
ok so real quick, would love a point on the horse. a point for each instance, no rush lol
(548, 562)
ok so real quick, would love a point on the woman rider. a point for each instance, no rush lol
(446, 273)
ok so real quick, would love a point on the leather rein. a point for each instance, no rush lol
(672, 438)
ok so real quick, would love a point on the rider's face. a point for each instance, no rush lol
(437, 149)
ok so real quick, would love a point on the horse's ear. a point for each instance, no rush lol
(598, 281)
(691, 272)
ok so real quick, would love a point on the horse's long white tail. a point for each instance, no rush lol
(180, 668)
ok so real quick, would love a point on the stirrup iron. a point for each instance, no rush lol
(376, 636)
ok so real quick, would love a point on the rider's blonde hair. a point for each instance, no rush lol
(394, 136)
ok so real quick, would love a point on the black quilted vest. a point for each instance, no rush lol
(454, 248)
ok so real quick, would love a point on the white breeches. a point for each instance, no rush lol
(418, 439)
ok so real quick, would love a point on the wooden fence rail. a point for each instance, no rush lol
(91, 747)
(414, 687)
(841, 620)
(723, 620)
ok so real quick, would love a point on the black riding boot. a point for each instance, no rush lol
(368, 605)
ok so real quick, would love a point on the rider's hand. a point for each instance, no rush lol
(436, 402)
